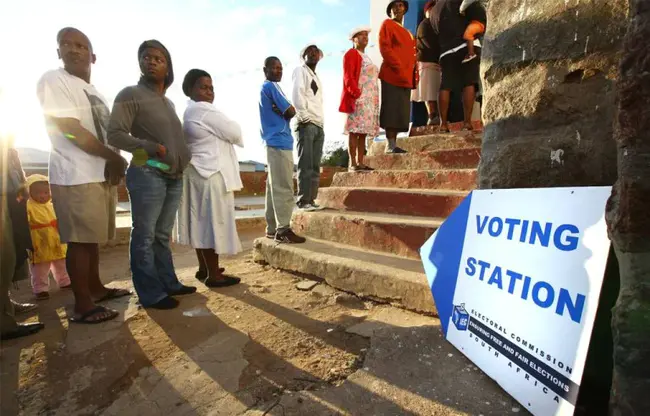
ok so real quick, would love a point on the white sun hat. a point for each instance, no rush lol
(359, 29)
(309, 45)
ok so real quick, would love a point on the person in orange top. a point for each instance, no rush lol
(398, 74)
(48, 253)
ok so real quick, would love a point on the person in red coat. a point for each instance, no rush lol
(360, 98)
(398, 75)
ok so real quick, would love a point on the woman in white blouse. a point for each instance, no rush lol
(206, 218)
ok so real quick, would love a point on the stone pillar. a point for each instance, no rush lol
(629, 220)
(549, 69)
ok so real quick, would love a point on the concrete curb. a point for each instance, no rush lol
(369, 275)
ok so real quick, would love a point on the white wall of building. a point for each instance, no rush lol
(377, 17)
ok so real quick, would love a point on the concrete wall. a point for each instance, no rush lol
(549, 69)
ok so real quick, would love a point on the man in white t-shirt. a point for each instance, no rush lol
(83, 171)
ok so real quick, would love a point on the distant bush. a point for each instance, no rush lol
(337, 157)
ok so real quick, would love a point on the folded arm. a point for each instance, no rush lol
(124, 111)
(62, 113)
(83, 139)
(224, 128)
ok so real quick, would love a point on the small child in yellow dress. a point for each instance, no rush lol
(48, 252)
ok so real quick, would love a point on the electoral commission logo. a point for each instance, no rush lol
(551, 379)
(460, 317)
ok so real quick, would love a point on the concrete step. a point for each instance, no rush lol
(394, 234)
(371, 275)
(456, 179)
(415, 202)
(430, 143)
(440, 159)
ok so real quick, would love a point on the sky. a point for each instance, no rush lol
(227, 38)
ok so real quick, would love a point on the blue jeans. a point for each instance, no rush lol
(154, 203)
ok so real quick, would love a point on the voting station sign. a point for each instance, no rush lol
(516, 276)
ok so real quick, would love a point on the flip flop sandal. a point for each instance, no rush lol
(114, 294)
(83, 319)
(225, 282)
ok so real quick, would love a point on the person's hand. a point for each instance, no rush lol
(21, 194)
(115, 170)
(161, 152)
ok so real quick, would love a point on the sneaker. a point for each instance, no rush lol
(317, 207)
(270, 236)
(396, 150)
(354, 168)
(305, 207)
(289, 237)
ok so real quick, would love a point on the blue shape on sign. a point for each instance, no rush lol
(460, 318)
(441, 256)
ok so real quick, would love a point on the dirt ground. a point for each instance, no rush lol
(263, 347)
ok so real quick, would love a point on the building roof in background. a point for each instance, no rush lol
(33, 157)
(251, 162)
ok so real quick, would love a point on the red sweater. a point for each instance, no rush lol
(352, 62)
(398, 49)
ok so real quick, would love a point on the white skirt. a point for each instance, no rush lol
(429, 85)
(206, 217)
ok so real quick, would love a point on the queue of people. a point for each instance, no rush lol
(185, 173)
(444, 56)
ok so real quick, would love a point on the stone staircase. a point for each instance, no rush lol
(367, 240)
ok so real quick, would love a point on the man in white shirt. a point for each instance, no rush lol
(83, 171)
(308, 101)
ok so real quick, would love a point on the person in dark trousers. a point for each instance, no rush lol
(11, 180)
(83, 172)
(144, 122)
(398, 74)
(308, 101)
(428, 67)
(275, 113)
(458, 73)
